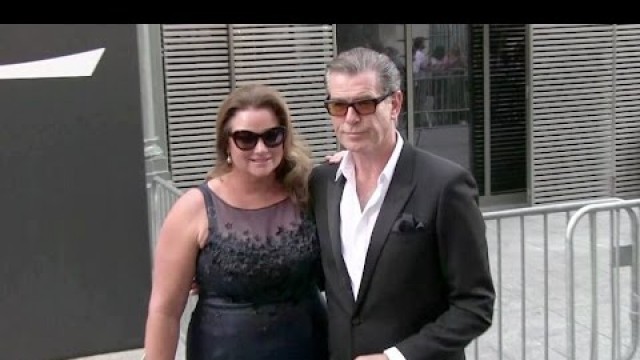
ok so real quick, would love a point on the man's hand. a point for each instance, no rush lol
(335, 158)
(372, 357)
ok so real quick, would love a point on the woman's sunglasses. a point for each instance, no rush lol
(247, 140)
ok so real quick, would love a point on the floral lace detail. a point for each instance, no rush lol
(256, 268)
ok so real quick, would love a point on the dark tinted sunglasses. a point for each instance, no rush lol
(247, 140)
(362, 107)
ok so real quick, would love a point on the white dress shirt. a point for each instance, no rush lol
(356, 225)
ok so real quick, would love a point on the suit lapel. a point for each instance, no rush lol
(334, 194)
(400, 189)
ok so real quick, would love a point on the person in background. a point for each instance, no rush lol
(454, 60)
(402, 239)
(436, 62)
(422, 85)
(247, 237)
(420, 60)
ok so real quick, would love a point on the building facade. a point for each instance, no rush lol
(538, 113)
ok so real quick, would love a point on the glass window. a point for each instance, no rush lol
(441, 105)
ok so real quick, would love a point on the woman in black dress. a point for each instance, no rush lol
(246, 236)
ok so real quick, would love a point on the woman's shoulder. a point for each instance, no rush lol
(191, 201)
(186, 220)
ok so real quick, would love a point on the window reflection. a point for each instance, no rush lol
(441, 91)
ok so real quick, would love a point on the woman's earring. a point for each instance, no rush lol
(229, 159)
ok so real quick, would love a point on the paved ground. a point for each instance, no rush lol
(540, 331)
(124, 355)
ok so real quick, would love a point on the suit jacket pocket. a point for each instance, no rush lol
(407, 223)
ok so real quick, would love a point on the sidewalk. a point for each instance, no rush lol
(124, 355)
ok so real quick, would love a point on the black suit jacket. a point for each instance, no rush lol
(426, 286)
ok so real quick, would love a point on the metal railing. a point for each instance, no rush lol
(526, 255)
(442, 99)
(621, 257)
(162, 195)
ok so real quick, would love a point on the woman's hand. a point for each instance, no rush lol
(336, 158)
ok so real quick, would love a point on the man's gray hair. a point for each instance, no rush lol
(360, 59)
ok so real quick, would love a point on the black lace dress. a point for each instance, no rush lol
(258, 296)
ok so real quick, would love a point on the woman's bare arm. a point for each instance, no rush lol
(173, 270)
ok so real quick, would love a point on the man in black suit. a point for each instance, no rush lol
(402, 238)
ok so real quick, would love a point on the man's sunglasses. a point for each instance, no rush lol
(362, 107)
(247, 140)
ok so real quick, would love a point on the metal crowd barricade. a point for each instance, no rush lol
(162, 195)
(526, 249)
(441, 98)
(621, 256)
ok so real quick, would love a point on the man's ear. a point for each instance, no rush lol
(396, 103)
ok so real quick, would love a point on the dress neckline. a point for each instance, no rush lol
(266, 207)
